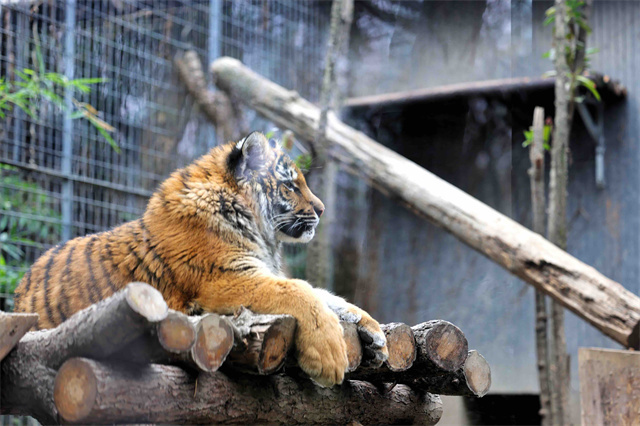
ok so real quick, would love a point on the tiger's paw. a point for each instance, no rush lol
(321, 350)
(372, 337)
(374, 341)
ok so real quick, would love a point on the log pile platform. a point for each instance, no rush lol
(130, 359)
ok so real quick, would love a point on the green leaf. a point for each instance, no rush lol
(89, 80)
(590, 85)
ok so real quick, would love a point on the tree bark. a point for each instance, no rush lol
(88, 391)
(536, 174)
(602, 302)
(472, 379)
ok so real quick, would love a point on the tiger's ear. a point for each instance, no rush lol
(249, 156)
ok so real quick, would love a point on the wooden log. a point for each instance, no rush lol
(214, 341)
(87, 391)
(354, 347)
(262, 341)
(402, 346)
(98, 331)
(12, 328)
(602, 302)
(609, 386)
(473, 379)
(167, 342)
(432, 348)
(102, 328)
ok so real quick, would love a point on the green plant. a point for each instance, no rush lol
(305, 160)
(36, 85)
(546, 137)
(23, 203)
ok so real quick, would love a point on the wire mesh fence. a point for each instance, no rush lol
(59, 176)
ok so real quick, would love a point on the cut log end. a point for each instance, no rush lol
(75, 390)
(402, 346)
(176, 333)
(445, 344)
(354, 347)
(146, 301)
(478, 374)
(277, 342)
(213, 342)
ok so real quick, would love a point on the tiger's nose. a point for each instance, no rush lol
(318, 210)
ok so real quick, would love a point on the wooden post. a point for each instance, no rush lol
(538, 208)
(609, 386)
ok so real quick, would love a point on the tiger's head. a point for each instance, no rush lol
(267, 174)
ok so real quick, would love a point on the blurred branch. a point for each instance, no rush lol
(216, 106)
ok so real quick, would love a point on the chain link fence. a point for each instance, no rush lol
(59, 176)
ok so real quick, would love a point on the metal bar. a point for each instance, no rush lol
(20, 46)
(214, 38)
(80, 179)
(67, 123)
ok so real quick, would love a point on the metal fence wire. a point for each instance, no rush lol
(59, 177)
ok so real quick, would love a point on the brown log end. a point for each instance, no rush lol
(75, 390)
(176, 333)
(402, 346)
(213, 342)
(146, 301)
(277, 343)
(354, 347)
(442, 343)
(478, 373)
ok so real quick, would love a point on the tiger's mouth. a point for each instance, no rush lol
(298, 229)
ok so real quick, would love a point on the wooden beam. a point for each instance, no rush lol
(88, 391)
(609, 386)
(609, 88)
(602, 302)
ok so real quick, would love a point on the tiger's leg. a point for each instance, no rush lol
(368, 328)
(320, 346)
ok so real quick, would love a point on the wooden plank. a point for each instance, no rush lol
(609, 386)
(12, 328)
(612, 89)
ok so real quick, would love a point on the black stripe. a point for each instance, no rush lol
(47, 277)
(27, 283)
(106, 274)
(92, 284)
(185, 175)
(65, 280)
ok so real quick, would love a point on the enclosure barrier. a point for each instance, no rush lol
(602, 302)
(130, 359)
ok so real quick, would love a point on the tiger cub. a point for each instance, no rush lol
(210, 241)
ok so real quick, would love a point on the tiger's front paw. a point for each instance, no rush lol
(372, 336)
(321, 350)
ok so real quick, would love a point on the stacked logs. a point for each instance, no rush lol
(129, 359)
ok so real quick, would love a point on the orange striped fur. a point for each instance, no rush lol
(209, 240)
